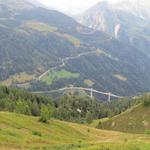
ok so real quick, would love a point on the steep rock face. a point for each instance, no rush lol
(127, 21)
(99, 18)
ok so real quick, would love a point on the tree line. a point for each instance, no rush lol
(72, 108)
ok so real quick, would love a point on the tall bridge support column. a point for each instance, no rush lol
(109, 97)
(91, 93)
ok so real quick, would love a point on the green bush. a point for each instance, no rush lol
(46, 113)
(36, 133)
(146, 100)
(147, 132)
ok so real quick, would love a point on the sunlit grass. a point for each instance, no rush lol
(56, 75)
(24, 132)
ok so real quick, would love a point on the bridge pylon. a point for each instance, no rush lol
(91, 93)
(109, 97)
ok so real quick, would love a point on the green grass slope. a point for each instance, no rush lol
(23, 132)
(135, 120)
(53, 76)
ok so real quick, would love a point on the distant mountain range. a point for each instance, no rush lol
(127, 21)
(36, 42)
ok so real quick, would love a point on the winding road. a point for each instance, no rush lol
(65, 60)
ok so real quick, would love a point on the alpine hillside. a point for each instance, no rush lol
(42, 49)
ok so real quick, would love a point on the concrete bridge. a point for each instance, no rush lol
(91, 90)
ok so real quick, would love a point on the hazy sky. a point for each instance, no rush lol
(71, 6)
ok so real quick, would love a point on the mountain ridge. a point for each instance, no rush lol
(38, 39)
(127, 21)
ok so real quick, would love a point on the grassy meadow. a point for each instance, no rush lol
(24, 132)
(134, 120)
(56, 75)
(18, 78)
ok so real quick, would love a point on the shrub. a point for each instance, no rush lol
(147, 132)
(146, 100)
(36, 133)
(46, 113)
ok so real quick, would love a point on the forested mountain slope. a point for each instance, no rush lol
(34, 40)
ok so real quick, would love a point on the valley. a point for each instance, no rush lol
(70, 125)
(74, 81)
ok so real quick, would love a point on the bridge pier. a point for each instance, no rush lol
(109, 97)
(85, 89)
(91, 93)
